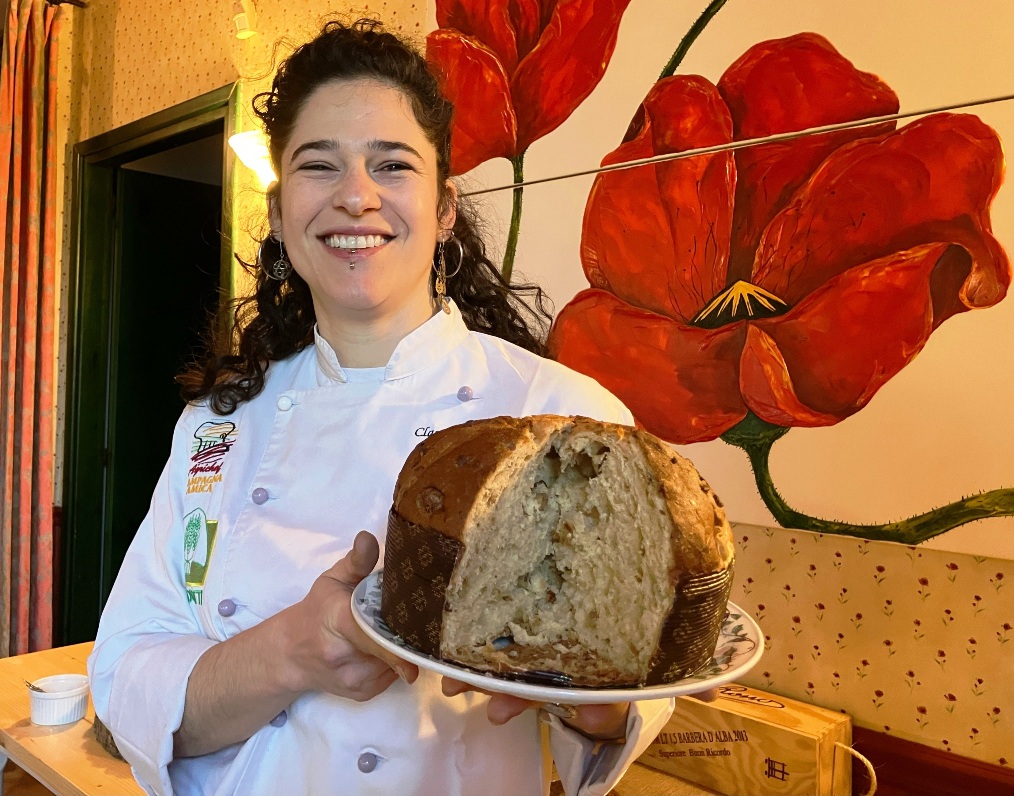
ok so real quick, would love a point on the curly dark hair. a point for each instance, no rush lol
(277, 320)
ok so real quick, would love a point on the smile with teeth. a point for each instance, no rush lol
(355, 241)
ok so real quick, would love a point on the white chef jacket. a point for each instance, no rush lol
(253, 506)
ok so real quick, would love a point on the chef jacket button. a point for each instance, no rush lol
(227, 607)
(367, 762)
(259, 495)
(284, 403)
(279, 720)
(465, 393)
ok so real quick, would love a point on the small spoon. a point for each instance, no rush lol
(33, 687)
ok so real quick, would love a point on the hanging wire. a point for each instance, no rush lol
(746, 143)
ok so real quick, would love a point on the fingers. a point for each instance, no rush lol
(403, 669)
(502, 708)
(706, 696)
(451, 687)
(347, 573)
(601, 722)
(365, 645)
(358, 562)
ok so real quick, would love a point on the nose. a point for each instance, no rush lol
(356, 191)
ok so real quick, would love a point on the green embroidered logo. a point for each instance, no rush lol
(198, 543)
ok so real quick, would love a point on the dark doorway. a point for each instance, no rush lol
(169, 252)
(154, 255)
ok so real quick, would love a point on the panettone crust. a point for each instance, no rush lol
(454, 470)
(469, 454)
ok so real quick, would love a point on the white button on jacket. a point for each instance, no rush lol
(253, 506)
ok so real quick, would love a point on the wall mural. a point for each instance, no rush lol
(760, 290)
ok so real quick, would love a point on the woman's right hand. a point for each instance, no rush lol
(239, 685)
(328, 651)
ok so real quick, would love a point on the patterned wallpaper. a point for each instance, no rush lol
(914, 642)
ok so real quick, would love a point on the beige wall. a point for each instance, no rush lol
(122, 60)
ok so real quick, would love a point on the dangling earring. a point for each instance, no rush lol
(281, 268)
(440, 266)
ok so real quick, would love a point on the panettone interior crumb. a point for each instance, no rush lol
(569, 558)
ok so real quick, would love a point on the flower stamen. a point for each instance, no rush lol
(740, 301)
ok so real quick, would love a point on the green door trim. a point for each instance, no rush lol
(86, 557)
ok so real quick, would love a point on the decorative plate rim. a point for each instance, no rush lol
(740, 646)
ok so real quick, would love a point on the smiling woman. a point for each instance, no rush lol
(358, 208)
(376, 319)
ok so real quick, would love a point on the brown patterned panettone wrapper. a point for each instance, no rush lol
(417, 568)
(690, 634)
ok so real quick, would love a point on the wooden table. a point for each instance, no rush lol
(70, 762)
(66, 759)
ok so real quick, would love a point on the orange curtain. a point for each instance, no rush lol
(27, 282)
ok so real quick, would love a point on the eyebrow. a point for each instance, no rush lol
(375, 145)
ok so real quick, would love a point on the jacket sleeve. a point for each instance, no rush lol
(590, 768)
(149, 639)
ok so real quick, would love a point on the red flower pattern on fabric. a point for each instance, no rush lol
(516, 69)
(793, 279)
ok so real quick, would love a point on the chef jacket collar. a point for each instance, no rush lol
(419, 349)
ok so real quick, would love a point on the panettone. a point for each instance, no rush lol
(557, 548)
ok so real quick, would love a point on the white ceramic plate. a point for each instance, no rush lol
(740, 646)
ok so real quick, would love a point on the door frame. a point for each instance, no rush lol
(85, 546)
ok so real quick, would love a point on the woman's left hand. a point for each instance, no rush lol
(598, 722)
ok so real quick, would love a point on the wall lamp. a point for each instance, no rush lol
(244, 16)
(251, 147)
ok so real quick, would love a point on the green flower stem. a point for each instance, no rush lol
(512, 236)
(702, 22)
(757, 437)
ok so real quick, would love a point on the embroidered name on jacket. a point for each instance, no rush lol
(212, 440)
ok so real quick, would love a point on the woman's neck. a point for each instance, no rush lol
(369, 342)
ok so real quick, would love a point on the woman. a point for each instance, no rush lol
(377, 318)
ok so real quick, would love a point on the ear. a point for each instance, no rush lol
(449, 208)
(274, 216)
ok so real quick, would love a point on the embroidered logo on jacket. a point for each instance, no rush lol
(212, 441)
(198, 543)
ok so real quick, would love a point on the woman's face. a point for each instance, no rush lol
(358, 207)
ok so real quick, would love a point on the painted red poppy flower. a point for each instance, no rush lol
(792, 280)
(516, 69)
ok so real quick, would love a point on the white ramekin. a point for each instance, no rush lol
(63, 699)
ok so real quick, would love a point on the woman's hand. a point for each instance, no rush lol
(606, 722)
(598, 722)
(240, 684)
(328, 651)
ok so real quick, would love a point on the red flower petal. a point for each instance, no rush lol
(633, 216)
(472, 78)
(931, 181)
(824, 360)
(781, 86)
(568, 62)
(679, 381)
(488, 22)
(529, 18)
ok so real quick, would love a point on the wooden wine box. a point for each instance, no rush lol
(752, 743)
